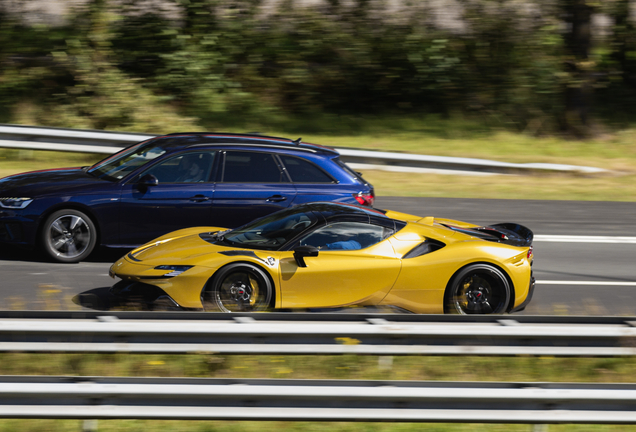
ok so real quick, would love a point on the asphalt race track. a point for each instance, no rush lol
(591, 270)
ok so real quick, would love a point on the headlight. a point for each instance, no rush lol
(14, 203)
(176, 270)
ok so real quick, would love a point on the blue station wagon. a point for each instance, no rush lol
(167, 183)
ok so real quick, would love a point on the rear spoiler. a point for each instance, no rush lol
(508, 233)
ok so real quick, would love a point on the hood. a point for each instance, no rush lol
(178, 249)
(38, 183)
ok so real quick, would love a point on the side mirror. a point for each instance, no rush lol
(304, 251)
(146, 181)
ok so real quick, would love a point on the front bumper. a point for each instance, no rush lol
(183, 290)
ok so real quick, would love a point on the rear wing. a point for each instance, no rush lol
(507, 233)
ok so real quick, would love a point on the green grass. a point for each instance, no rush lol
(348, 366)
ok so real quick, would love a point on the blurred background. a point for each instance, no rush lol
(539, 67)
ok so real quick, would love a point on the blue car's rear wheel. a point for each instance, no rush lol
(238, 288)
(68, 236)
(477, 289)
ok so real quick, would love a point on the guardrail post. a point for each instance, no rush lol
(89, 425)
(385, 362)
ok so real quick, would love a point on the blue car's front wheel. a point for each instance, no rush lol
(68, 236)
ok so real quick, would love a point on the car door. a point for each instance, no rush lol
(250, 184)
(353, 263)
(181, 198)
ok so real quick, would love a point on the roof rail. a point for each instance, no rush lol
(238, 135)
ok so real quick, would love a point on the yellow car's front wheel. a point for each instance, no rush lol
(477, 289)
(238, 287)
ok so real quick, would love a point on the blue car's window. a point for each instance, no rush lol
(346, 236)
(192, 167)
(271, 232)
(252, 167)
(302, 171)
(126, 161)
(354, 174)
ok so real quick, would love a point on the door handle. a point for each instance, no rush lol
(199, 198)
(276, 198)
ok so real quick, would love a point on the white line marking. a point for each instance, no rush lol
(583, 239)
(603, 283)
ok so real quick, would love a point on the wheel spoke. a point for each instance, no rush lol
(57, 226)
(486, 308)
(74, 221)
(58, 243)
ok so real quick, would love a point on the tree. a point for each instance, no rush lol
(577, 94)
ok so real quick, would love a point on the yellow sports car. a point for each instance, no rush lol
(328, 255)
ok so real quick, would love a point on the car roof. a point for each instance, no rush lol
(193, 139)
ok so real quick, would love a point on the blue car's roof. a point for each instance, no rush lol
(189, 139)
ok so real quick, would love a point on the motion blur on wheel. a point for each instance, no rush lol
(329, 255)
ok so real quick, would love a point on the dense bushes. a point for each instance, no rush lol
(123, 65)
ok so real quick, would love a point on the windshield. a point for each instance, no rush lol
(271, 232)
(126, 161)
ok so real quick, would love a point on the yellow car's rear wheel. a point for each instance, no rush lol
(238, 288)
(477, 289)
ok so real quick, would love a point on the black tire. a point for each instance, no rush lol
(238, 287)
(477, 289)
(68, 236)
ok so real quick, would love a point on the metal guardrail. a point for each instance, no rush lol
(315, 400)
(315, 333)
(38, 138)
(93, 398)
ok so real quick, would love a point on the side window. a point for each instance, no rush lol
(251, 167)
(302, 171)
(194, 167)
(346, 235)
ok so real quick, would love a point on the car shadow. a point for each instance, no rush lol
(9, 253)
(97, 299)
(101, 299)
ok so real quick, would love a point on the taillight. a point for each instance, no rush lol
(365, 199)
(529, 252)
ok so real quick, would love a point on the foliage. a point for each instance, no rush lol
(207, 63)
